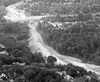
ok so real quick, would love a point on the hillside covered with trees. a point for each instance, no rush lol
(19, 64)
(78, 35)
(62, 7)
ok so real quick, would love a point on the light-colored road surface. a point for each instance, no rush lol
(36, 42)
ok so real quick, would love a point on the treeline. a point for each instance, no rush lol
(51, 1)
(63, 7)
(9, 2)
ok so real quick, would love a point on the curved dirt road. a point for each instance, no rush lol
(36, 42)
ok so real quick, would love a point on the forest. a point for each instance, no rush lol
(77, 36)
(80, 40)
(19, 64)
(62, 7)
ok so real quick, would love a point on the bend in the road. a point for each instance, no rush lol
(36, 39)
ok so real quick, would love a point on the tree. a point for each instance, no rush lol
(58, 18)
(18, 70)
(97, 60)
(20, 79)
(79, 79)
(85, 9)
(58, 78)
(11, 28)
(39, 78)
(9, 2)
(52, 80)
(77, 1)
(94, 78)
(64, 10)
(72, 71)
(87, 16)
(1, 64)
(2, 12)
(48, 78)
(39, 25)
(95, 8)
(29, 75)
(25, 60)
(51, 59)
(63, 80)
(80, 16)
(60, 48)
(38, 58)
(22, 36)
